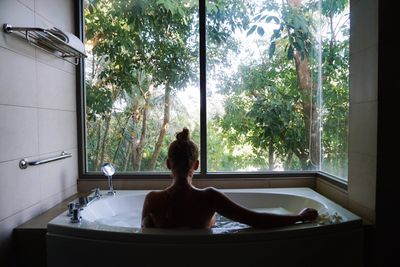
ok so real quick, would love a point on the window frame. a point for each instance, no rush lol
(203, 174)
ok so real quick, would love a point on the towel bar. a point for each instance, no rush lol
(24, 163)
(53, 41)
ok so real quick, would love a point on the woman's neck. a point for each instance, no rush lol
(182, 180)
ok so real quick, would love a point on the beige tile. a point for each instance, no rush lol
(367, 214)
(18, 79)
(293, 182)
(59, 12)
(53, 61)
(19, 189)
(362, 179)
(85, 185)
(363, 128)
(18, 15)
(232, 183)
(7, 225)
(56, 88)
(364, 75)
(57, 176)
(19, 132)
(53, 200)
(40, 222)
(363, 25)
(334, 193)
(57, 130)
(354, 2)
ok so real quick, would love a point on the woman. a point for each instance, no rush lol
(183, 205)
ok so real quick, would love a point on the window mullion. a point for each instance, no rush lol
(203, 88)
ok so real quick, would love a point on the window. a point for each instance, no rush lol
(262, 85)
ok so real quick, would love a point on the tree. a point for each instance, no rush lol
(274, 103)
(140, 49)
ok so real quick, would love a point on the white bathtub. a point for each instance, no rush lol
(110, 234)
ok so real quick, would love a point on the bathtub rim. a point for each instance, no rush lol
(61, 226)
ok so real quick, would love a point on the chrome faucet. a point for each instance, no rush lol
(83, 201)
(108, 170)
(74, 208)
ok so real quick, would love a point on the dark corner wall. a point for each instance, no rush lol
(387, 191)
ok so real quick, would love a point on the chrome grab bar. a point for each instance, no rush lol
(24, 163)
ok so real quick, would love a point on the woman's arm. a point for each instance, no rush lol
(147, 220)
(228, 208)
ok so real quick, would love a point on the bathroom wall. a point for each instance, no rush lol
(37, 118)
(363, 108)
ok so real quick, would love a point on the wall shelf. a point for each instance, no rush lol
(61, 44)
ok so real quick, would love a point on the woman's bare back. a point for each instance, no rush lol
(178, 207)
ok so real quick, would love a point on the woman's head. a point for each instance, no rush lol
(182, 153)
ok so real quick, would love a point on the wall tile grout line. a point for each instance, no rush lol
(20, 211)
(26, 5)
(36, 59)
(41, 108)
(39, 203)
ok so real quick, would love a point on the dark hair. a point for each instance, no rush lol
(182, 153)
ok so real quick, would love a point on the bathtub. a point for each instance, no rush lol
(109, 234)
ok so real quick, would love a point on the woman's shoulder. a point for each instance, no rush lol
(155, 194)
(210, 191)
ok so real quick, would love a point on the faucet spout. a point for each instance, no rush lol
(108, 170)
(110, 186)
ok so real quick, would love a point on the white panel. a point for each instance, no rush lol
(48, 203)
(56, 88)
(18, 131)
(362, 179)
(59, 12)
(19, 189)
(18, 79)
(363, 25)
(16, 14)
(56, 176)
(364, 75)
(363, 128)
(57, 130)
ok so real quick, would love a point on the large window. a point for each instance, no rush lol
(262, 85)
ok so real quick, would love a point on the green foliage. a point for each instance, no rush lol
(265, 107)
(265, 102)
(139, 49)
(293, 26)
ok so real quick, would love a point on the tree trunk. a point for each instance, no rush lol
(164, 128)
(96, 160)
(127, 155)
(303, 158)
(311, 118)
(288, 161)
(140, 146)
(271, 156)
(121, 140)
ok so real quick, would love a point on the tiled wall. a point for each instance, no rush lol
(38, 117)
(360, 196)
(363, 107)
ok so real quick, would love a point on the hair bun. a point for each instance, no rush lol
(184, 135)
